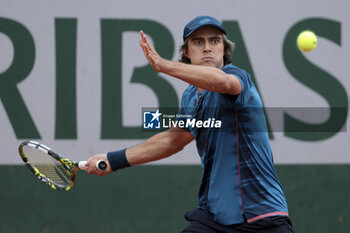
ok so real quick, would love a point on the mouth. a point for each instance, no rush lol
(207, 58)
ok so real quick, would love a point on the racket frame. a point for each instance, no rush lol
(70, 166)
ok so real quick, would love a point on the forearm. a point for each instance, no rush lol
(204, 77)
(158, 147)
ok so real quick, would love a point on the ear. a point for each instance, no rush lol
(186, 53)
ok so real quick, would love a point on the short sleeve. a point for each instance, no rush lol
(243, 77)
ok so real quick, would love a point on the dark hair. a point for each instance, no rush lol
(229, 46)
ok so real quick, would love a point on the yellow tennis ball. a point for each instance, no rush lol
(307, 41)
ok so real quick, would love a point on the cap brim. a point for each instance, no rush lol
(201, 26)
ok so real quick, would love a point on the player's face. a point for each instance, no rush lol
(206, 47)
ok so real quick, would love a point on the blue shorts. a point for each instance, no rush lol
(202, 222)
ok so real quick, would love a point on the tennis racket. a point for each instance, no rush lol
(50, 167)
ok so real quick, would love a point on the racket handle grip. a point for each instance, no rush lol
(81, 164)
(101, 164)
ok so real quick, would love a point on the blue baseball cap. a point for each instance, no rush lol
(202, 21)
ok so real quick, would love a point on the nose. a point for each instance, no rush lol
(207, 47)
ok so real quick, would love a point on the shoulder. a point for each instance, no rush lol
(242, 75)
(190, 89)
(231, 69)
(245, 80)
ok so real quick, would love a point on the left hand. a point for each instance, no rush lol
(156, 61)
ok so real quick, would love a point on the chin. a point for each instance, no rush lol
(208, 63)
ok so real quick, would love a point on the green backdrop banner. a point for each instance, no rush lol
(154, 199)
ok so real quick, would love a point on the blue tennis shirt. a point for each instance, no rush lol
(239, 182)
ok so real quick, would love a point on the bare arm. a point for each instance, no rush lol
(159, 146)
(205, 77)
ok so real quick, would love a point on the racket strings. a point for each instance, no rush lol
(48, 166)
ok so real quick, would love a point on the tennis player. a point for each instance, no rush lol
(240, 191)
